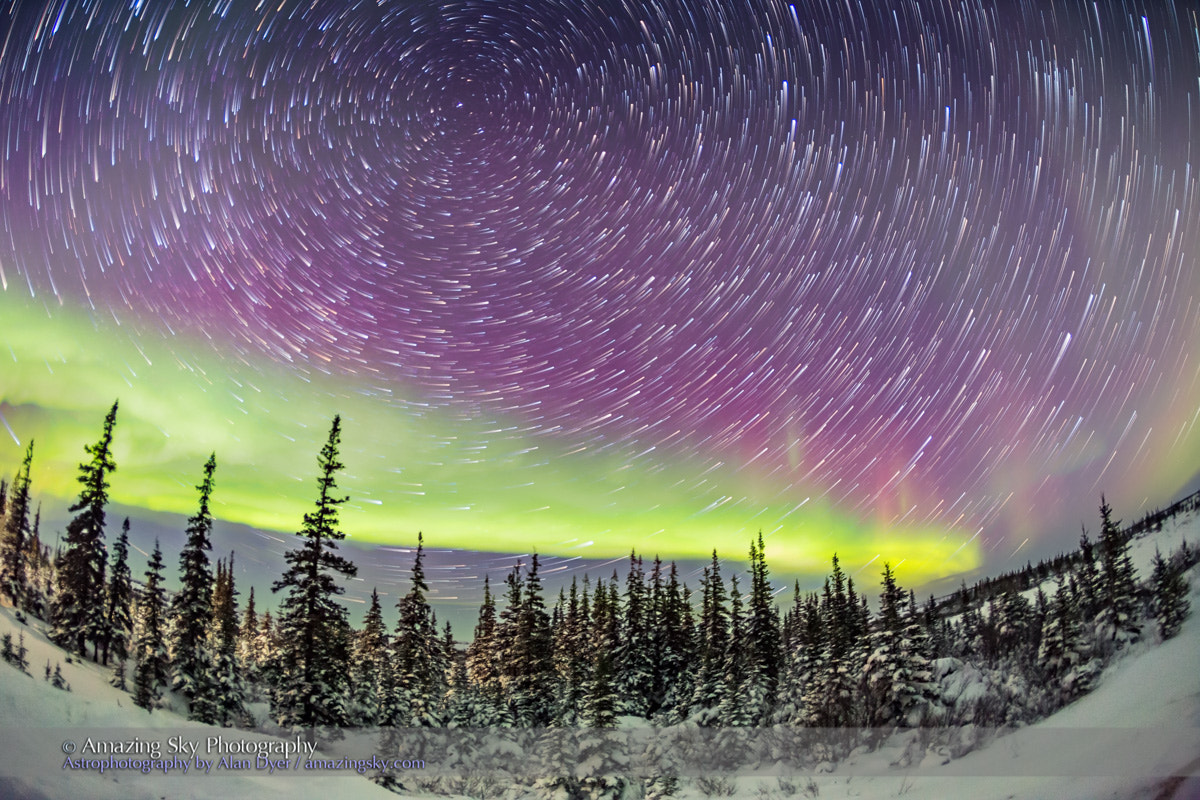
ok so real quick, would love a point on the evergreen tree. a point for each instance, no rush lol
(732, 709)
(247, 635)
(713, 644)
(1117, 622)
(413, 699)
(600, 699)
(830, 697)
(483, 665)
(531, 656)
(675, 649)
(764, 655)
(191, 610)
(570, 658)
(1088, 582)
(458, 704)
(120, 595)
(225, 686)
(884, 662)
(13, 555)
(312, 690)
(1015, 627)
(78, 614)
(1064, 655)
(370, 664)
(150, 641)
(634, 660)
(1170, 602)
(267, 654)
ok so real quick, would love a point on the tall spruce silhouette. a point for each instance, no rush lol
(192, 607)
(79, 602)
(315, 630)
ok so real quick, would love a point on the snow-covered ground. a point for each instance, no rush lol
(36, 720)
(1136, 735)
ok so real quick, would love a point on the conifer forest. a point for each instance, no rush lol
(734, 652)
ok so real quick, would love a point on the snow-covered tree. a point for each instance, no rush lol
(483, 666)
(225, 686)
(764, 654)
(1117, 622)
(16, 534)
(247, 635)
(634, 660)
(571, 657)
(369, 666)
(413, 691)
(119, 623)
(600, 698)
(312, 689)
(674, 647)
(830, 698)
(191, 609)
(733, 710)
(150, 645)
(1065, 654)
(529, 656)
(712, 646)
(1170, 601)
(78, 612)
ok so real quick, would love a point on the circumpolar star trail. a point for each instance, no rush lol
(919, 280)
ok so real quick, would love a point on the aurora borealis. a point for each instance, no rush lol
(918, 281)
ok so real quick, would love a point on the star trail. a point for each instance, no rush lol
(918, 279)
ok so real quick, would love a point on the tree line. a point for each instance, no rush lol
(725, 655)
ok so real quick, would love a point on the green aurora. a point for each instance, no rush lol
(468, 480)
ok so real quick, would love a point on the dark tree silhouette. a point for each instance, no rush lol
(79, 603)
(313, 687)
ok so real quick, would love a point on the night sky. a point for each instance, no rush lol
(913, 281)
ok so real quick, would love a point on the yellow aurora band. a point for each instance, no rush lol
(467, 482)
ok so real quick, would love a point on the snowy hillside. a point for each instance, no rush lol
(38, 718)
(1135, 735)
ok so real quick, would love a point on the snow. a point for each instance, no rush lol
(37, 719)
(1136, 735)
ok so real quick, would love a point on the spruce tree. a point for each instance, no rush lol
(312, 689)
(883, 706)
(599, 704)
(78, 614)
(483, 665)
(267, 654)
(634, 660)
(675, 649)
(830, 697)
(413, 700)
(532, 656)
(713, 644)
(1064, 655)
(1117, 622)
(370, 664)
(1088, 581)
(225, 685)
(120, 595)
(764, 655)
(569, 658)
(150, 645)
(191, 610)
(13, 554)
(247, 634)
(732, 708)
(1170, 601)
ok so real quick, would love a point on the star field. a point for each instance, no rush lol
(929, 270)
